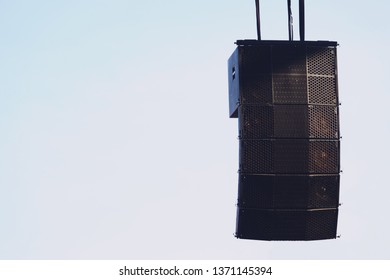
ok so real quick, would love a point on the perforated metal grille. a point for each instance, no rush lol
(321, 224)
(322, 90)
(289, 225)
(290, 89)
(321, 61)
(306, 192)
(324, 157)
(256, 156)
(286, 225)
(289, 156)
(256, 191)
(281, 78)
(256, 89)
(253, 224)
(323, 191)
(288, 192)
(255, 122)
(323, 122)
(290, 121)
(289, 59)
(255, 60)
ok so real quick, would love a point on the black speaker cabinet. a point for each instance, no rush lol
(285, 96)
(282, 72)
(276, 224)
(289, 156)
(288, 121)
(288, 191)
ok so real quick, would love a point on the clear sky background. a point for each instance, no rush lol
(115, 140)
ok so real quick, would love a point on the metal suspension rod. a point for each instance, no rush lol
(290, 21)
(302, 20)
(258, 19)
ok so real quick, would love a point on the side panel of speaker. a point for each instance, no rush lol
(234, 83)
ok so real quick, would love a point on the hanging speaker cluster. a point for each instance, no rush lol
(285, 96)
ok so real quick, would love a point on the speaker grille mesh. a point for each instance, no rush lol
(288, 121)
(256, 122)
(256, 156)
(290, 89)
(321, 225)
(286, 225)
(323, 122)
(256, 60)
(292, 156)
(256, 191)
(289, 59)
(288, 192)
(321, 61)
(324, 191)
(322, 90)
(324, 157)
(256, 89)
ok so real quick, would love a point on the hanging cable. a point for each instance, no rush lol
(290, 21)
(258, 19)
(302, 20)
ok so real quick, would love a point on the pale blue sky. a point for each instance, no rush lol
(115, 137)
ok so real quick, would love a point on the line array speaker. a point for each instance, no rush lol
(285, 96)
